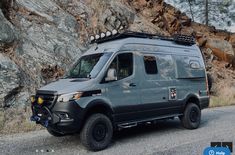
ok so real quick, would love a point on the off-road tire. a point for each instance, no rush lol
(54, 133)
(192, 116)
(97, 132)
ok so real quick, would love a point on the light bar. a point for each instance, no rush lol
(92, 38)
(108, 33)
(102, 35)
(97, 36)
(114, 32)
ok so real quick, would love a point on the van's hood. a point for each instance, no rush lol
(63, 86)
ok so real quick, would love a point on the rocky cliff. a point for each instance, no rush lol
(39, 40)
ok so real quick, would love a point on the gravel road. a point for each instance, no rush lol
(164, 138)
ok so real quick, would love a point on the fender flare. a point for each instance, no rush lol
(191, 97)
(98, 103)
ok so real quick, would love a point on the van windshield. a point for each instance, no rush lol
(89, 66)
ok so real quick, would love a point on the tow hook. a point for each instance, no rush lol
(45, 124)
(35, 118)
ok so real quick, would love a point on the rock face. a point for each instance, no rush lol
(41, 39)
(9, 80)
(48, 37)
(7, 33)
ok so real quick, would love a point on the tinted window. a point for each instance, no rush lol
(150, 64)
(123, 63)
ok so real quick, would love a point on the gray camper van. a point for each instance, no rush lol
(123, 80)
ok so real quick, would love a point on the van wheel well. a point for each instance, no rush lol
(98, 109)
(192, 100)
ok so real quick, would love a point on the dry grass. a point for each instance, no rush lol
(216, 101)
(223, 87)
(15, 120)
(225, 97)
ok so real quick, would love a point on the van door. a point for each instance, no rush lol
(159, 75)
(124, 93)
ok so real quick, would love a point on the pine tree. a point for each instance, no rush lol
(210, 12)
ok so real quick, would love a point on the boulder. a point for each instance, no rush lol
(142, 26)
(201, 41)
(221, 48)
(232, 40)
(112, 14)
(7, 32)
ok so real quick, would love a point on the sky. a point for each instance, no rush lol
(233, 28)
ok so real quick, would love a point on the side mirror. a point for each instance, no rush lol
(111, 75)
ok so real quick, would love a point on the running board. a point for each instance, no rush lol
(135, 123)
(127, 125)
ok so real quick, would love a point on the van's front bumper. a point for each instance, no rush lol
(63, 117)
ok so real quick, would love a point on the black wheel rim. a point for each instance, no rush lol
(194, 114)
(99, 132)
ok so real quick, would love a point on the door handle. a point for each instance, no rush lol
(132, 84)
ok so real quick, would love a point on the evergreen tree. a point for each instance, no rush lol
(219, 13)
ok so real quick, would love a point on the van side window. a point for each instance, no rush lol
(189, 67)
(150, 64)
(166, 67)
(123, 63)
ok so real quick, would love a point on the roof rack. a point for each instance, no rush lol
(114, 35)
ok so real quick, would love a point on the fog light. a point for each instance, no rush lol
(64, 116)
(92, 38)
(97, 36)
(32, 99)
(108, 33)
(40, 100)
(114, 32)
(102, 35)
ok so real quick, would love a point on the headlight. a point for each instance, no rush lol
(69, 97)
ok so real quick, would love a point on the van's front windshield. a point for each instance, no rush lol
(89, 66)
